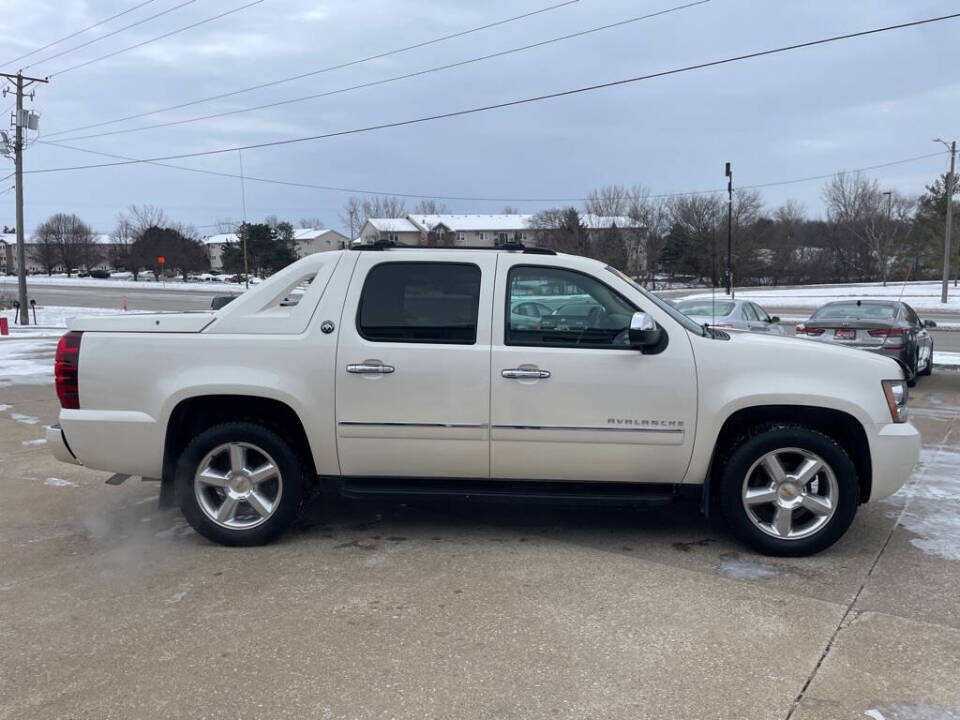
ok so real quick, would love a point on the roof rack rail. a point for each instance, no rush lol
(508, 247)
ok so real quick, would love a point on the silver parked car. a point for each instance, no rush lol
(735, 314)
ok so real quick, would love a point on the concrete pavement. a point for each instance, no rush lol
(111, 608)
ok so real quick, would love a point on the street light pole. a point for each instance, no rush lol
(952, 147)
(729, 175)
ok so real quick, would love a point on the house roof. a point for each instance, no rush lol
(473, 223)
(304, 234)
(393, 225)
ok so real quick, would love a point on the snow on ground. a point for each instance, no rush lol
(27, 362)
(932, 512)
(946, 358)
(59, 482)
(921, 296)
(8, 284)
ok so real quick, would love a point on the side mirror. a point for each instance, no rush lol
(775, 319)
(928, 324)
(644, 332)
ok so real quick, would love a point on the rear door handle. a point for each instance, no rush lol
(515, 373)
(370, 369)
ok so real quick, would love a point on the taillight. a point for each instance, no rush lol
(893, 338)
(804, 330)
(65, 370)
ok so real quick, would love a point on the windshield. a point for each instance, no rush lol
(662, 304)
(856, 311)
(705, 307)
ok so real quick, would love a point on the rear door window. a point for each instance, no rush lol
(420, 302)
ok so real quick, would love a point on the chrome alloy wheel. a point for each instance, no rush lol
(790, 493)
(238, 485)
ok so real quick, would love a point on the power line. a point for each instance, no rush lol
(158, 37)
(359, 191)
(78, 32)
(856, 170)
(395, 78)
(109, 34)
(311, 186)
(511, 103)
(339, 66)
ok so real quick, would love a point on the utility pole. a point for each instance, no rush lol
(729, 175)
(19, 121)
(243, 228)
(952, 147)
(886, 233)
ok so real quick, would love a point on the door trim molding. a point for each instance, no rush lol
(356, 423)
(589, 428)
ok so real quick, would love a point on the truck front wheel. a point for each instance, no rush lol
(239, 484)
(788, 490)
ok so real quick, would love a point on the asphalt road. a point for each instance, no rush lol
(113, 609)
(150, 297)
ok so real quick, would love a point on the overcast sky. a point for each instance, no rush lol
(852, 104)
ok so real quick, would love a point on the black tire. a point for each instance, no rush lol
(749, 449)
(928, 370)
(265, 444)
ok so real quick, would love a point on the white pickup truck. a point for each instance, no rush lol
(511, 372)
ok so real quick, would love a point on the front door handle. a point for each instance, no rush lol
(515, 373)
(370, 369)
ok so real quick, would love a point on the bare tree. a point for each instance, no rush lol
(510, 210)
(350, 217)
(142, 217)
(310, 223)
(609, 201)
(384, 206)
(855, 206)
(356, 211)
(653, 216)
(45, 248)
(123, 237)
(692, 240)
(561, 229)
(73, 239)
(430, 207)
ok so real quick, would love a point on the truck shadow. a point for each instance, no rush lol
(679, 525)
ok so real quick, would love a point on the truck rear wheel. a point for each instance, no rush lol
(789, 490)
(239, 484)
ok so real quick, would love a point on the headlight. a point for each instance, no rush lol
(896, 393)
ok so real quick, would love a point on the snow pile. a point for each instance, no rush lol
(920, 295)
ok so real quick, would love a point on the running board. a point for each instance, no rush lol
(508, 490)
